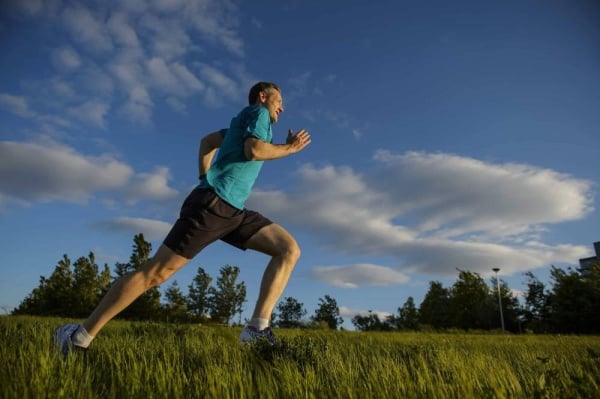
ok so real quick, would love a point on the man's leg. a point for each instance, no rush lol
(275, 241)
(128, 288)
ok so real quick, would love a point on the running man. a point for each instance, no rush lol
(214, 210)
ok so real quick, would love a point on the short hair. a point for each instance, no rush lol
(257, 88)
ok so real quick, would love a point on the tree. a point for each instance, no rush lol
(574, 302)
(175, 308)
(536, 303)
(198, 299)
(291, 312)
(228, 298)
(372, 322)
(435, 310)
(147, 306)
(88, 285)
(328, 312)
(408, 315)
(471, 302)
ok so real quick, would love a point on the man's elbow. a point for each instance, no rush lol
(250, 153)
(251, 150)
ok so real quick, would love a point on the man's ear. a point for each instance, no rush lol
(262, 97)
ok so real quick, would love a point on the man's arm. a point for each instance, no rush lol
(258, 150)
(208, 148)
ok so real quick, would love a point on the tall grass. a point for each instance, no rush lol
(140, 360)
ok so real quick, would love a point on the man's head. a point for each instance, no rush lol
(268, 95)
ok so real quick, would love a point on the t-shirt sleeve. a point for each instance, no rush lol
(259, 125)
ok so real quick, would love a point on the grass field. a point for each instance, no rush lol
(141, 360)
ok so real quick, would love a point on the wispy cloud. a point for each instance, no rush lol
(434, 213)
(151, 229)
(350, 312)
(66, 58)
(351, 276)
(16, 104)
(129, 56)
(87, 29)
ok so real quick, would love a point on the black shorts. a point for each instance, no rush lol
(205, 218)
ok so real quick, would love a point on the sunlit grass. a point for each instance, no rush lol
(153, 360)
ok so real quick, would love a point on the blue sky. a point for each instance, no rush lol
(444, 136)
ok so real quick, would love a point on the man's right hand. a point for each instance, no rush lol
(298, 141)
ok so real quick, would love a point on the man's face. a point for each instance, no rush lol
(272, 100)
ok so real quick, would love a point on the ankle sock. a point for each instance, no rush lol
(81, 338)
(259, 324)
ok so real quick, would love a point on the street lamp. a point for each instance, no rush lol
(496, 270)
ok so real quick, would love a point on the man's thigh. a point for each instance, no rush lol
(271, 240)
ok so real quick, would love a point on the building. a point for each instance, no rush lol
(586, 262)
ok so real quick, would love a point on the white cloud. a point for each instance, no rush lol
(152, 186)
(16, 104)
(139, 106)
(352, 276)
(151, 229)
(127, 68)
(87, 29)
(166, 37)
(134, 54)
(66, 58)
(217, 21)
(188, 79)
(43, 172)
(221, 82)
(434, 213)
(349, 312)
(32, 172)
(121, 30)
(91, 112)
(454, 195)
(161, 76)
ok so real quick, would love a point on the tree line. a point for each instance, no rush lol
(74, 289)
(570, 304)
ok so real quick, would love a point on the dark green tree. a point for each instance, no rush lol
(290, 313)
(574, 302)
(535, 311)
(471, 303)
(176, 307)
(435, 310)
(328, 312)
(88, 285)
(372, 322)
(227, 298)
(408, 315)
(198, 300)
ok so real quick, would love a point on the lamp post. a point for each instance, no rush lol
(496, 270)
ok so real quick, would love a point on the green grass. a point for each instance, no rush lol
(141, 360)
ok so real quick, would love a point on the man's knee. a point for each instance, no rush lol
(162, 266)
(157, 276)
(293, 251)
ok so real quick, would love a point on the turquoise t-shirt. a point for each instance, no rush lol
(232, 175)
